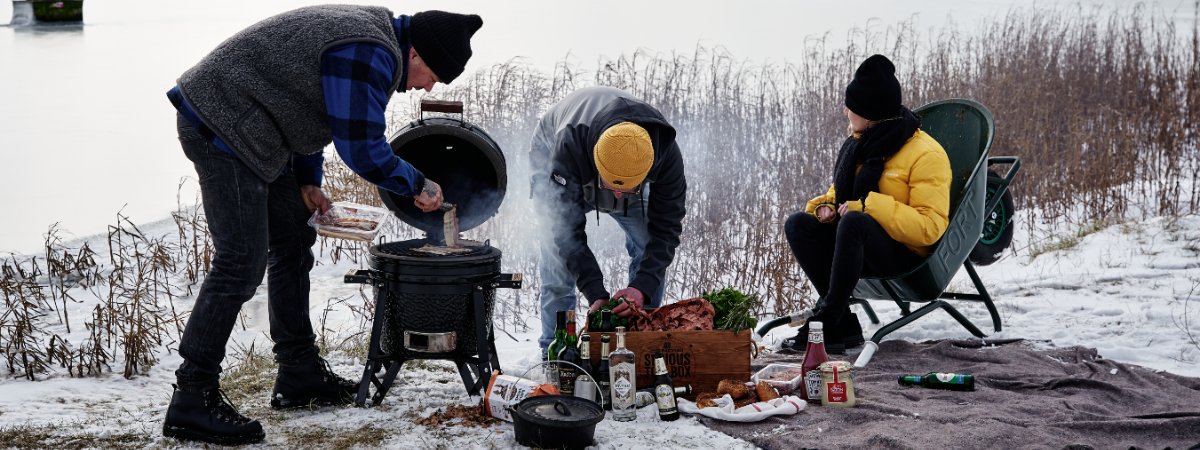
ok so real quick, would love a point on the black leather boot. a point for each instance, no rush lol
(208, 416)
(851, 331)
(848, 334)
(312, 384)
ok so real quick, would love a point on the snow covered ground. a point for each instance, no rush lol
(1125, 289)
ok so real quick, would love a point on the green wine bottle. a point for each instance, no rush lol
(556, 347)
(948, 381)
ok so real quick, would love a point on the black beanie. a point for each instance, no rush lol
(874, 93)
(443, 40)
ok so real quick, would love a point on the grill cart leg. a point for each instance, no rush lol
(364, 386)
(382, 389)
(486, 346)
(495, 354)
(381, 386)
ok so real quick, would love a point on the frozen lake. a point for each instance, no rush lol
(86, 129)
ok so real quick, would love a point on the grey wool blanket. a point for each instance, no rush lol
(1027, 395)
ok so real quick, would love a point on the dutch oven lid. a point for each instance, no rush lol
(559, 411)
(461, 158)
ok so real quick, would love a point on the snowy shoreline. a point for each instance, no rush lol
(1123, 290)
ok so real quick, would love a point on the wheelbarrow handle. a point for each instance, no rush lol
(1012, 171)
(1001, 183)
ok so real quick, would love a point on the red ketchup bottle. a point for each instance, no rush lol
(814, 355)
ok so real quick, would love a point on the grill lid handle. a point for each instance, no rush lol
(508, 281)
(359, 276)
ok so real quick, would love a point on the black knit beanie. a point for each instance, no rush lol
(874, 93)
(443, 40)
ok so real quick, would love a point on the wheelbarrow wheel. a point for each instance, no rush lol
(997, 228)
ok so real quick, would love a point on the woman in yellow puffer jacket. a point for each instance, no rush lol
(889, 202)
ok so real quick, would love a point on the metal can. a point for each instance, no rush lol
(837, 384)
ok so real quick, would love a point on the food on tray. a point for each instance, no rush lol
(349, 221)
(705, 399)
(786, 375)
(736, 389)
(765, 392)
(440, 250)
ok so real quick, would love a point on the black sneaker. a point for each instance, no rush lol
(312, 384)
(209, 416)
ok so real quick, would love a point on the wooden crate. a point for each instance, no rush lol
(699, 358)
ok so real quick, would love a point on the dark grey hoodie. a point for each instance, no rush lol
(563, 164)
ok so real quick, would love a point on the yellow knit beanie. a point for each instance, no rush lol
(624, 155)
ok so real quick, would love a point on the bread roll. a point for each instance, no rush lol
(751, 398)
(705, 399)
(765, 392)
(736, 389)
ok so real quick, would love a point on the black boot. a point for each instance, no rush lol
(851, 331)
(208, 416)
(312, 384)
(848, 334)
(800, 342)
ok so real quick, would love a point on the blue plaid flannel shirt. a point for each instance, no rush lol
(356, 78)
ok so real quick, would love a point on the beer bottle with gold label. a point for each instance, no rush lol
(664, 390)
(602, 375)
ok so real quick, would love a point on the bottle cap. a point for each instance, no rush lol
(815, 325)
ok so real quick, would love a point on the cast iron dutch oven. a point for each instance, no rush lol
(556, 421)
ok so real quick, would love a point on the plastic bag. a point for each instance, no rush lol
(350, 221)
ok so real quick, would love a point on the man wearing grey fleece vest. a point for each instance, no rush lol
(254, 116)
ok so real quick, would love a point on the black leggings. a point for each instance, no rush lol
(834, 256)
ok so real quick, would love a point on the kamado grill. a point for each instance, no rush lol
(430, 305)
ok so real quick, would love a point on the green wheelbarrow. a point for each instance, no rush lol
(980, 227)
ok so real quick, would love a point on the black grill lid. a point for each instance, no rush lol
(559, 411)
(463, 159)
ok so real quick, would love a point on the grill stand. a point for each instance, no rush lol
(475, 371)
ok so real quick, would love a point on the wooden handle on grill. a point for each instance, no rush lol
(441, 106)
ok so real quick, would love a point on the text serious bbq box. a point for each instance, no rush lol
(699, 358)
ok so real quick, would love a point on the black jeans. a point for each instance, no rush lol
(256, 227)
(834, 256)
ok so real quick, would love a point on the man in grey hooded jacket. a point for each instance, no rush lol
(600, 149)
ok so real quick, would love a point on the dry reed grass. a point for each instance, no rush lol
(1101, 106)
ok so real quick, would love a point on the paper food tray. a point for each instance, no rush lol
(350, 221)
(784, 387)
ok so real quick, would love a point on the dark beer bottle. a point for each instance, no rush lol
(584, 386)
(947, 381)
(602, 376)
(606, 325)
(664, 390)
